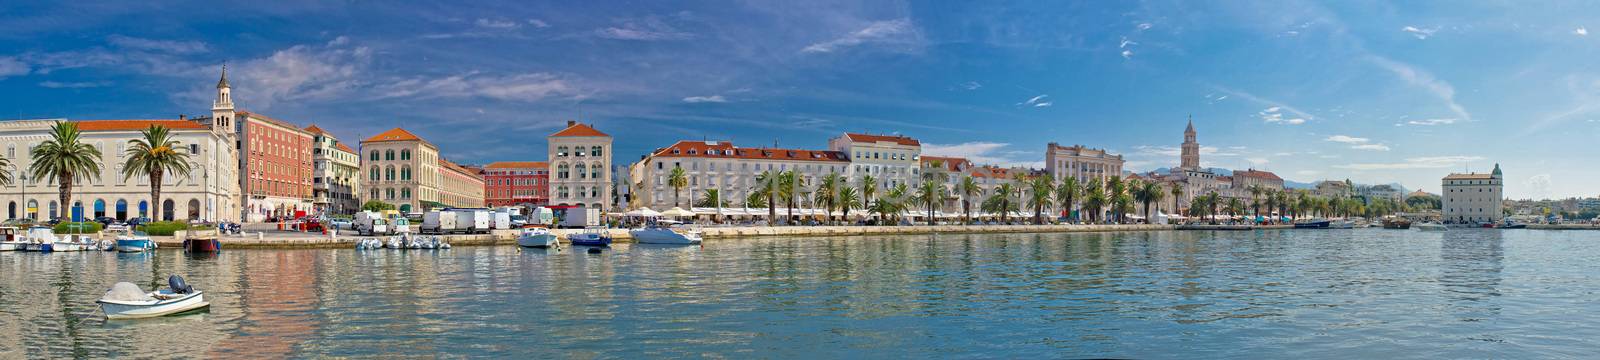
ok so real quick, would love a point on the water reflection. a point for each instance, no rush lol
(1349, 293)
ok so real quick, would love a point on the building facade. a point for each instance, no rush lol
(1081, 162)
(721, 166)
(459, 186)
(892, 159)
(1473, 197)
(274, 160)
(336, 174)
(1249, 178)
(208, 192)
(401, 169)
(580, 165)
(517, 183)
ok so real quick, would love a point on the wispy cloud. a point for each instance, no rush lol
(1417, 77)
(1430, 162)
(1347, 139)
(1300, 117)
(1373, 147)
(520, 87)
(972, 85)
(10, 66)
(497, 24)
(1272, 115)
(1420, 33)
(538, 23)
(1431, 122)
(649, 29)
(74, 85)
(1358, 143)
(892, 31)
(1044, 104)
(169, 46)
(1581, 31)
(984, 153)
(705, 99)
(1034, 101)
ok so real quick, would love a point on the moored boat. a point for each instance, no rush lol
(1341, 224)
(127, 301)
(537, 237)
(1396, 223)
(1312, 224)
(128, 241)
(10, 240)
(1430, 226)
(590, 237)
(665, 232)
(202, 245)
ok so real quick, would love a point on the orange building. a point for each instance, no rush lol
(512, 183)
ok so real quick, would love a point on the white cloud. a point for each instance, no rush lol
(1580, 31)
(341, 40)
(1417, 77)
(1126, 43)
(983, 153)
(1145, 26)
(1044, 104)
(1034, 100)
(1373, 147)
(1127, 54)
(1274, 107)
(1431, 122)
(648, 29)
(705, 99)
(1257, 161)
(1421, 34)
(898, 30)
(10, 66)
(538, 23)
(520, 87)
(169, 46)
(1347, 139)
(497, 24)
(73, 85)
(1431, 162)
(972, 85)
(299, 73)
(1272, 115)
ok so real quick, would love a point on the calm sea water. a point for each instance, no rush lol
(1364, 293)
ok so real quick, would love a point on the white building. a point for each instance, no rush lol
(729, 169)
(336, 174)
(1473, 197)
(892, 159)
(1081, 162)
(580, 167)
(209, 192)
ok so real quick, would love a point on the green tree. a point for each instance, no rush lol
(968, 188)
(756, 199)
(711, 198)
(930, 193)
(1147, 193)
(790, 188)
(828, 193)
(848, 199)
(154, 155)
(677, 179)
(1115, 188)
(1002, 200)
(1094, 200)
(1255, 199)
(1177, 195)
(1066, 196)
(375, 205)
(66, 159)
(1041, 191)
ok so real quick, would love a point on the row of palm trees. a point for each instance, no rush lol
(66, 159)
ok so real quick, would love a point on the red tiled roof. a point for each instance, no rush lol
(395, 134)
(517, 165)
(344, 148)
(898, 139)
(1472, 176)
(1265, 175)
(726, 150)
(579, 129)
(316, 130)
(135, 125)
(285, 124)
(950, 163)
(458, 168)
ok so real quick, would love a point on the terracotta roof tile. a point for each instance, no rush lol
(135, 125)
(344, 148)
(1266, 175)
(269, 119)
(579, 129)
(518, 165)
(1472, 176)
(951, 164)
(726, 150)
(898, 139)
(395, 134)
(458, 168)
(317, 130)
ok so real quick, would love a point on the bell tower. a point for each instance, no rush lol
(222, 109)
(1191, 149)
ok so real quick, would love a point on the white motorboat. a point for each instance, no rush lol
(665, 232)
(43, 239)
(1430, 226)
(1342, 224)
(128, 241)
(537, 238)
(127, 301)
(10, 240)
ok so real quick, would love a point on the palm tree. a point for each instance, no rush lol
(1255, 192)
(1177, 194)
(1066, 195)
(66, 159)
(711, 198)
(1040, 191)
(155, 155)
(1147, 193)
(1002, 196)
(756, 199)
(848, 199)
(791, 186)
(768, 184)
(1094, 199)
(1235, 206)
(677, 179)
(930, 194)
(869, 189)
(828, 193)
(968, 188)
(1212, 201)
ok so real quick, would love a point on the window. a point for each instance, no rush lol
(561, 151)
(374, 158)
(594, 151)
(581, 173)
(388, 155)
(561, 172)
(405, 172)
(374, 174)
(390, 192)
(405, 154)
(405, 193)
(595, 171)
(388, 174)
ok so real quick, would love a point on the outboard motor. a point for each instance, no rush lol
(178, 286)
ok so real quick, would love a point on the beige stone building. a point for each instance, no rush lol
(407, 171)
(580, 167)
(892, 159)
(729, 169)
(459, 186)
(336, 174)
(1473, 197)
(1081, 162)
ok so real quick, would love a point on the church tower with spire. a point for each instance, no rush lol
(222, 109)
(1191, 149)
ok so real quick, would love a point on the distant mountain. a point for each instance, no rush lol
(1298, 185)
(1218, 171)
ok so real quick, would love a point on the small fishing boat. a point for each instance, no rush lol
(10, 240)
(209, 244)
(1312, 224)
(43, 239)
(1508, 224)
(665, 232)
(1341, 224)
(590, 237)
(127, 301)
(128, 241)
(1430, 226)
(537, 237)
(1396, 223)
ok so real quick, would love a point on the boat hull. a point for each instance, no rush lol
(1312, 225)
(596, 241)
(11, 246)
(118, 310)
(134, 245)
(538, 241)
(202, 245)
(663, 236)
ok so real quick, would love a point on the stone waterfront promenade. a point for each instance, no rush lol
(508, 237)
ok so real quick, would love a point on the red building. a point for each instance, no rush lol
(512, 183)
(275, 167)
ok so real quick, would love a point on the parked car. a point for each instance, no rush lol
(138, 221)
(337, 223)
(105, 220)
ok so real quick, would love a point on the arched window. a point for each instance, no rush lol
(595, 171)
(374, 155)
(388, 172)
(594, 150)
(388, 155)
(194, 209)
(405, 172)
(561, 190)
(390, 193)
(561, 171)
(581, 172)
(594, 192)
(405, 193)
(166, 209)
(405, 154)
(374, 173)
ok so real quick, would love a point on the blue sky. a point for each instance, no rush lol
(1376, 92)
